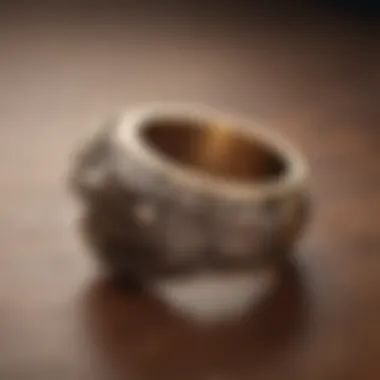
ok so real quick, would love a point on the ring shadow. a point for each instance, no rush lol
(137, 334)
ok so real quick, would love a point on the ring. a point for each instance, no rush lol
(172, 191)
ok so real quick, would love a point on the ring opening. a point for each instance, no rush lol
(213, 150)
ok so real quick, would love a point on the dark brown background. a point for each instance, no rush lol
(313, 75)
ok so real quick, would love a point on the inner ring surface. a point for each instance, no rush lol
(219, 152)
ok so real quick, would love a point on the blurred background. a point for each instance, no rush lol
(308, 69)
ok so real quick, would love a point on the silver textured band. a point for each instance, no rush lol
(171, 190)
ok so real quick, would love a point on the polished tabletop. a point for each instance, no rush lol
(315, 78)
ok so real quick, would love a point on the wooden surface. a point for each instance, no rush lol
(316, 79)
